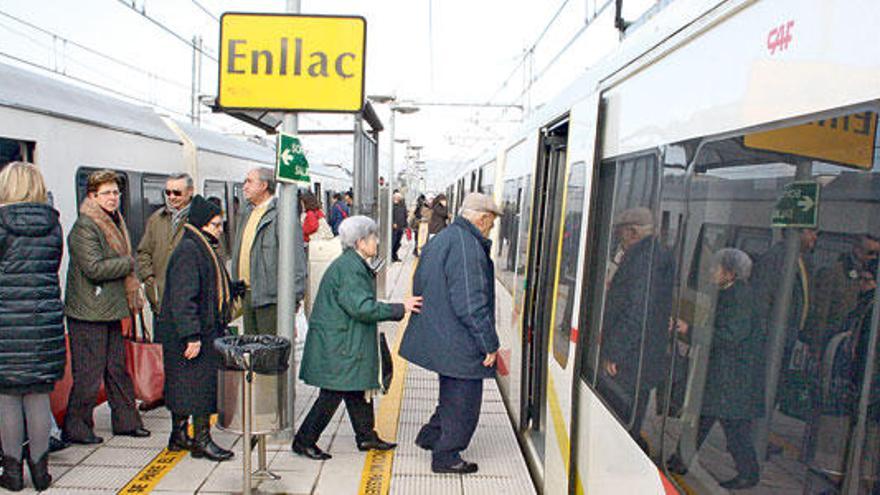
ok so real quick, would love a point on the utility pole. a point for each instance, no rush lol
(287, 218)
(196, 82)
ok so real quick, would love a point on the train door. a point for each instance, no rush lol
(540, 274)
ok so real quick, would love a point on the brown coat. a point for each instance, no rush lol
(153, 254)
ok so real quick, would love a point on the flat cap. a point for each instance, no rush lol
(635, 216)
(480, 202)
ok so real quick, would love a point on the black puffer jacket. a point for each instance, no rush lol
(32, 351)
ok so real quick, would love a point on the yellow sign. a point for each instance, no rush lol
(292, 62)
(846, 140)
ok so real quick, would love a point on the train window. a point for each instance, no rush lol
(215, 190)
(237, 199)
(635, 275)
(507, 235)
(14, 150)
(571, 235)
(153, 193)
(776, 325)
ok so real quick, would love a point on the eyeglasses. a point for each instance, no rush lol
(114, 192)
(173, 192)
(216, 224)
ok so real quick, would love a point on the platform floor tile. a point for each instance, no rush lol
(97, 476)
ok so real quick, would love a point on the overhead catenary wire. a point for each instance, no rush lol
(95, 52)
(168, 30)
(205, 10)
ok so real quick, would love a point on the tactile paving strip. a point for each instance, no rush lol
(434, 484)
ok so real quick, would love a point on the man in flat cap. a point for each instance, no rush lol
(454, 335)
(635, 327)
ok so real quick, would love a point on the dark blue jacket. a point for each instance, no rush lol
(456, 328)
(338, 212)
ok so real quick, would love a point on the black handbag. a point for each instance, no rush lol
(386, 367)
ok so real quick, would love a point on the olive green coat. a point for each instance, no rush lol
(95, 275)
(154, 252)
(342, 351)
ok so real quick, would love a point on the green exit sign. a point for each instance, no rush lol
(290, 160)
(798, 206)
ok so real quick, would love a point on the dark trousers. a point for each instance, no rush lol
(97, 351)
(451, 427)
(360, 412)
(738, 433)
(259, 321)
(396, 237)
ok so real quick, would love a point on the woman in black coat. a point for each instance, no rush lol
(198, 295)
(32, 351)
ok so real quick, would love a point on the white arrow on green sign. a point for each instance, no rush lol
(798, 206)
(290, 160)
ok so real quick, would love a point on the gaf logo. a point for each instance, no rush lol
(779, 37)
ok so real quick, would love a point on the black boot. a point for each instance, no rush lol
(203, 445)
(40, 472)
(12, 475)
(179, 438)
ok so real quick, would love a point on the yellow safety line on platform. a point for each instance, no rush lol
(376, 476)
(146, 480)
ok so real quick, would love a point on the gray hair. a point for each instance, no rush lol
(267, 175)
(355, 228)
(182, 176)
(734, 261)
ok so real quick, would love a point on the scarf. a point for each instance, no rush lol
(177, 216)
(119, 241)
(224, 297)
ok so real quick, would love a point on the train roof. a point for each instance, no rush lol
(26, 90)
(217, 142)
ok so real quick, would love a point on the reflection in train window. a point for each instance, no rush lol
(507, 235)
(574, 208)
(776, 326)
(153, 193)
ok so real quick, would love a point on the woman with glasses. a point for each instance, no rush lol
(102, 290)
(32, 352)
(198, 297)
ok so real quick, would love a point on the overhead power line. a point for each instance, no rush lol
(96, 52)
(205, 10)
(168, 30)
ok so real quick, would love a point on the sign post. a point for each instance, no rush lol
(798, 207)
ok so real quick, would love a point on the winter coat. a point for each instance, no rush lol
(456, 328)
(338, 212)
(835, 295)
(153, 254)
(311, 223)
(398, 215)
(439, 218)
(640, 295)
(342, 350)
(96, 275)
(32, 351)
(191, 314)
(264, 258)
(734, 386)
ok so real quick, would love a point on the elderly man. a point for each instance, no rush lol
(255, 254)
(638, 306)
(455, 333)
(398, 224)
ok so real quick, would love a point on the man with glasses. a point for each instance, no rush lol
(161, 235)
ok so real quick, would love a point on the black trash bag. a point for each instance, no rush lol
(270, 355)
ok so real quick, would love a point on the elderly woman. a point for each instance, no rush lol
(198, 297)
(32, 351)
(341, 353)
(102, 290)
(734, 389)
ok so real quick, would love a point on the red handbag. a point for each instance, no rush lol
(408, 234)
(60, 395)
(143, 362)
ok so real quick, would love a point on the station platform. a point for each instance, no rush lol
(127, 465)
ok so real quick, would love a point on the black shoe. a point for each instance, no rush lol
(179, 438)
(137, 433)
(740, 482)
(424, 444)
(203, 445)
(149, 406)
(91, 439)
(11, 479)
(460, 467)
(312, 452)
(40, 473)
(375, 444)
(676, 466)
(57, 444)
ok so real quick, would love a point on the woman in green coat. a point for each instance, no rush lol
(341, 353)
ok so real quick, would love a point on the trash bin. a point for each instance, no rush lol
(268, 358)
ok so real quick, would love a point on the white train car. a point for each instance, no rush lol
(706, 115)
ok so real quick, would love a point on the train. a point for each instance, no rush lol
(712, 115)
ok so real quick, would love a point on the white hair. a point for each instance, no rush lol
(734, 261)
(355, 228)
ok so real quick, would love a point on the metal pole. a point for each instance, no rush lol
(388, 215)
(287, 219)
(247, 403)
(193, 92)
